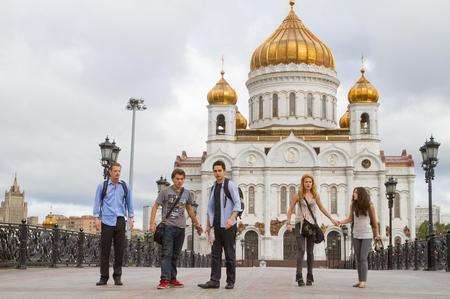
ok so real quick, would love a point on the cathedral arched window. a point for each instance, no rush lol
(333, 105)
(365, 123)
(251, 200)
(309, 104)
(220, 124)
(292, 104)
(261, 108)
(333, 200)
(283, 200)
(397, 206)
(275, 105)
(324, 107)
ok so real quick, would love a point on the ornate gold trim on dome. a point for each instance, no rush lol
(222, 93)
(292, 42)
(363, 91)
(241, 121)
(344, 122)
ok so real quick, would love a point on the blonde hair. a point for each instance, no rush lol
(302, 190)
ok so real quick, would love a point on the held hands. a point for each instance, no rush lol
(289, 227)
(198, 228)
(336, 222)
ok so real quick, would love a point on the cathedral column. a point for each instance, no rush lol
(266, 247)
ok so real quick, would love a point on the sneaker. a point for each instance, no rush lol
(102, 282)
(309, 279)
(163, 284)
(209, 285)
(300, 282)
(175, 284)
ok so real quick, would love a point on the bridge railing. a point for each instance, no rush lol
(412, 255)
(23, 245)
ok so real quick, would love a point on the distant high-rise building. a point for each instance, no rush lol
(32, 220)
(422, 215)
(14, 208)
(146, 218)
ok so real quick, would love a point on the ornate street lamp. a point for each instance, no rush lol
(345, 234)
(162, 183)
(133, 105)
(110, 152)
(391, 185)
(429, 153)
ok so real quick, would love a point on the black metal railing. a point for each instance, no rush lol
(23, 245)
(411, 256)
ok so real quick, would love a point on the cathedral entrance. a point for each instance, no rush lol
(289, 246)
(333, 250)
(251, 248)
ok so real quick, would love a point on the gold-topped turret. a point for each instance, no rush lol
(292, 42)
(344, 122)
(363, 91)
(241, 122)
(222, 93)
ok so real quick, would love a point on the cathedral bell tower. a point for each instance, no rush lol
(363, 110)
(222, 110)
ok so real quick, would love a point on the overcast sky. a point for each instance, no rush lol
(67, 69)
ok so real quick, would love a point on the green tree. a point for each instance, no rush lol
(440, 229)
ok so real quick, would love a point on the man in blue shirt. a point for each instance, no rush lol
(221, 216)
(113, 203)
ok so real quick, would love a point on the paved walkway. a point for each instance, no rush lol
(275, 283)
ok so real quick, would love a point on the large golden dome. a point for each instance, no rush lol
(292, 42)
(363, 91)
(241, 122)
(50, 221)
(344, 122)
(222, 93)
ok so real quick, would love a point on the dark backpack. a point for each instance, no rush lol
(228, 195)
(105, 188)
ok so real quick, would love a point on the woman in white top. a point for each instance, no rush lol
(365, 227)
(309, 201)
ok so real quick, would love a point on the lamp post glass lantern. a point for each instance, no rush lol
(391, 186)
(429, 153)
(110, 152)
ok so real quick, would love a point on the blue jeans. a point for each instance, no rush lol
(172, 243)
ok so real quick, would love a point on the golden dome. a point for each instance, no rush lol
(344, 122)
(49, 221)
(363, 91)
(292, 42)
(241, 122)
(222, 93)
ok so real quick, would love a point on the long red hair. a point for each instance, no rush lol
(302, 191)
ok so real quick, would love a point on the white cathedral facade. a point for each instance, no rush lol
(293, 129)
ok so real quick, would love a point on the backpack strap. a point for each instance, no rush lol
(227, 192)
(104, 190)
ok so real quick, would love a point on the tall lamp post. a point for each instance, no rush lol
(133, 105)
(345, 234)
(195, 206)
(391, 185)
(429, 153)
(110, 152)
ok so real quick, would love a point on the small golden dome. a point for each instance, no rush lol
(344, 122)
(292, 42)
(49, 221)
(363, 91)
(222, 93)
(241, 122)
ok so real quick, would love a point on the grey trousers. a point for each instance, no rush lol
(302, 243)
(362, 248)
